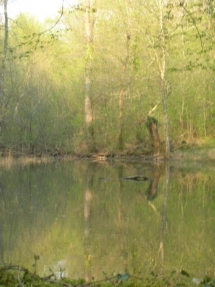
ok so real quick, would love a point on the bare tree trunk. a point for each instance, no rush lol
(89, 25)
(5, 47)
(163, 75)
(122, 81)
(121, 143)
(151, 124)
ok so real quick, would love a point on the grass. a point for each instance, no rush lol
(19, 276)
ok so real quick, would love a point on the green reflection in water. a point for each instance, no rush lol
(83, 218)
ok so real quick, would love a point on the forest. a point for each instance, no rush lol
(109, 76)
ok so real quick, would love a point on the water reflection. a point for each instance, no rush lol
(82, 219)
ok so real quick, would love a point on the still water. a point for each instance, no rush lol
(84, 218)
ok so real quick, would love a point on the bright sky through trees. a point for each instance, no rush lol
(41, 9)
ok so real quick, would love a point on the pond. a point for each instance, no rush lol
(86, 219)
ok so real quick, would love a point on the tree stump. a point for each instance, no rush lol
(152, 126)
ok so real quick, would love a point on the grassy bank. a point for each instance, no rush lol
(20, 276)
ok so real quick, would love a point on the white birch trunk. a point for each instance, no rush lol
(163, 76)
(89, 24)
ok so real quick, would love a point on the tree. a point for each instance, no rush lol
(91, 81)
(3, 60)
(124, 67)
(89, 27)
(160, 50)
(162, 66)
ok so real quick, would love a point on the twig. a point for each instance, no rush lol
(20, 282)
(154, 108)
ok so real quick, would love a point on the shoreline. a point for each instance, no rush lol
(203, 155)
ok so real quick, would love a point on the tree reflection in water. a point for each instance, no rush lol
(83, 214)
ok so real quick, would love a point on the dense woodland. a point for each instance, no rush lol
(96, 77)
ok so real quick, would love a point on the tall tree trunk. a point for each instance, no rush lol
(89, 25)
(122, 81)
(4, 55)
(120, 139)
(163, 76)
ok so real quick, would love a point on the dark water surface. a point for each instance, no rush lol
(82, 219)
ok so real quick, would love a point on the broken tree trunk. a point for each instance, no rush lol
(152, 126)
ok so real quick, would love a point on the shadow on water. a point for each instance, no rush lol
(86, 218)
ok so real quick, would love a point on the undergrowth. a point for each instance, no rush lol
(20, 276)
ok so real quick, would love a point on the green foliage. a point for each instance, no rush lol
(151, 120)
